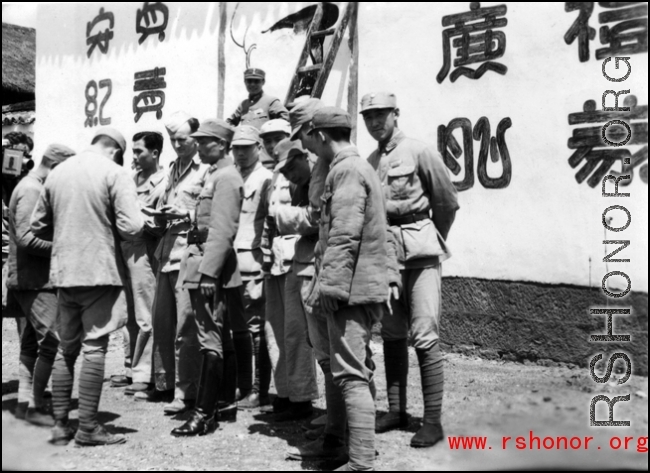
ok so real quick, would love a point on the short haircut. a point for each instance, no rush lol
(194, 124)
(152, 140)
(18, 137)
(337, 134)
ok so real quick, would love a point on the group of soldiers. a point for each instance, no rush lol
(269, 244)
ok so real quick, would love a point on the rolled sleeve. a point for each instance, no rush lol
(224, 222)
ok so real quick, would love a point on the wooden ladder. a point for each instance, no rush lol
(311, 79)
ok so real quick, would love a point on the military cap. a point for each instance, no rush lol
(58, 153)
(176, 121)
(302, 114)
(214, 128)
(378, 100)
(277, 125)
(113, 134)
(330, 117)
(285, 150)
(246, 135)
(254, 73)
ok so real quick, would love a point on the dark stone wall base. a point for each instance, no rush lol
(540, 323)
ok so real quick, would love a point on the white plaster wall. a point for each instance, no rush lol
(188, 52)
(544, 227)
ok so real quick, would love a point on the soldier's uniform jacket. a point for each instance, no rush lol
(421, 200)
(90, 203)
(257, 110)
(182, 190)
(149, 195)
(298, 219)
(353, 234)
(211, 241)
(251, 222)
(29, 256)
(279, 249)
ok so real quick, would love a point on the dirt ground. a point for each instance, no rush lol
(488, 398)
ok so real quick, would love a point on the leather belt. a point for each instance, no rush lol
(406, 219)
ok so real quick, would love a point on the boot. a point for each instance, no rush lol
(244, 349)
(202, 420)
(227, 405)
(262, 380)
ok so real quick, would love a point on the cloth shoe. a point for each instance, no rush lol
(318, 422)
(427, 436)
(153, 396)
(39, 417)
(227, 413)
(314, 434)
(177, 406)
(392, 421)
(62, 434)
(98, 437)
(297, 411)
(253, 401)
(121, 381)
(280, 404)
(137, 388)
(325, 448)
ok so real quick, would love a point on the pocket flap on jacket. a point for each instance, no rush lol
(401, 171)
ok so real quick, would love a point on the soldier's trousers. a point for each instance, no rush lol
(416, 316)
(212, 322)
(287, 337)
(87, 316)
(176, 358)
(349, 333)
(140, 291)
(38, 343)
(250, 317)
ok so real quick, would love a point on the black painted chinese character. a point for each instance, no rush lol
(101, 39)
(150, 98)
(496, 147)
(589, 145)
(580, 28)
(146, 21)
(630, 36)
(484, 45)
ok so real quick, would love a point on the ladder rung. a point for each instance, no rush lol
(306, 69)
(322, 34)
